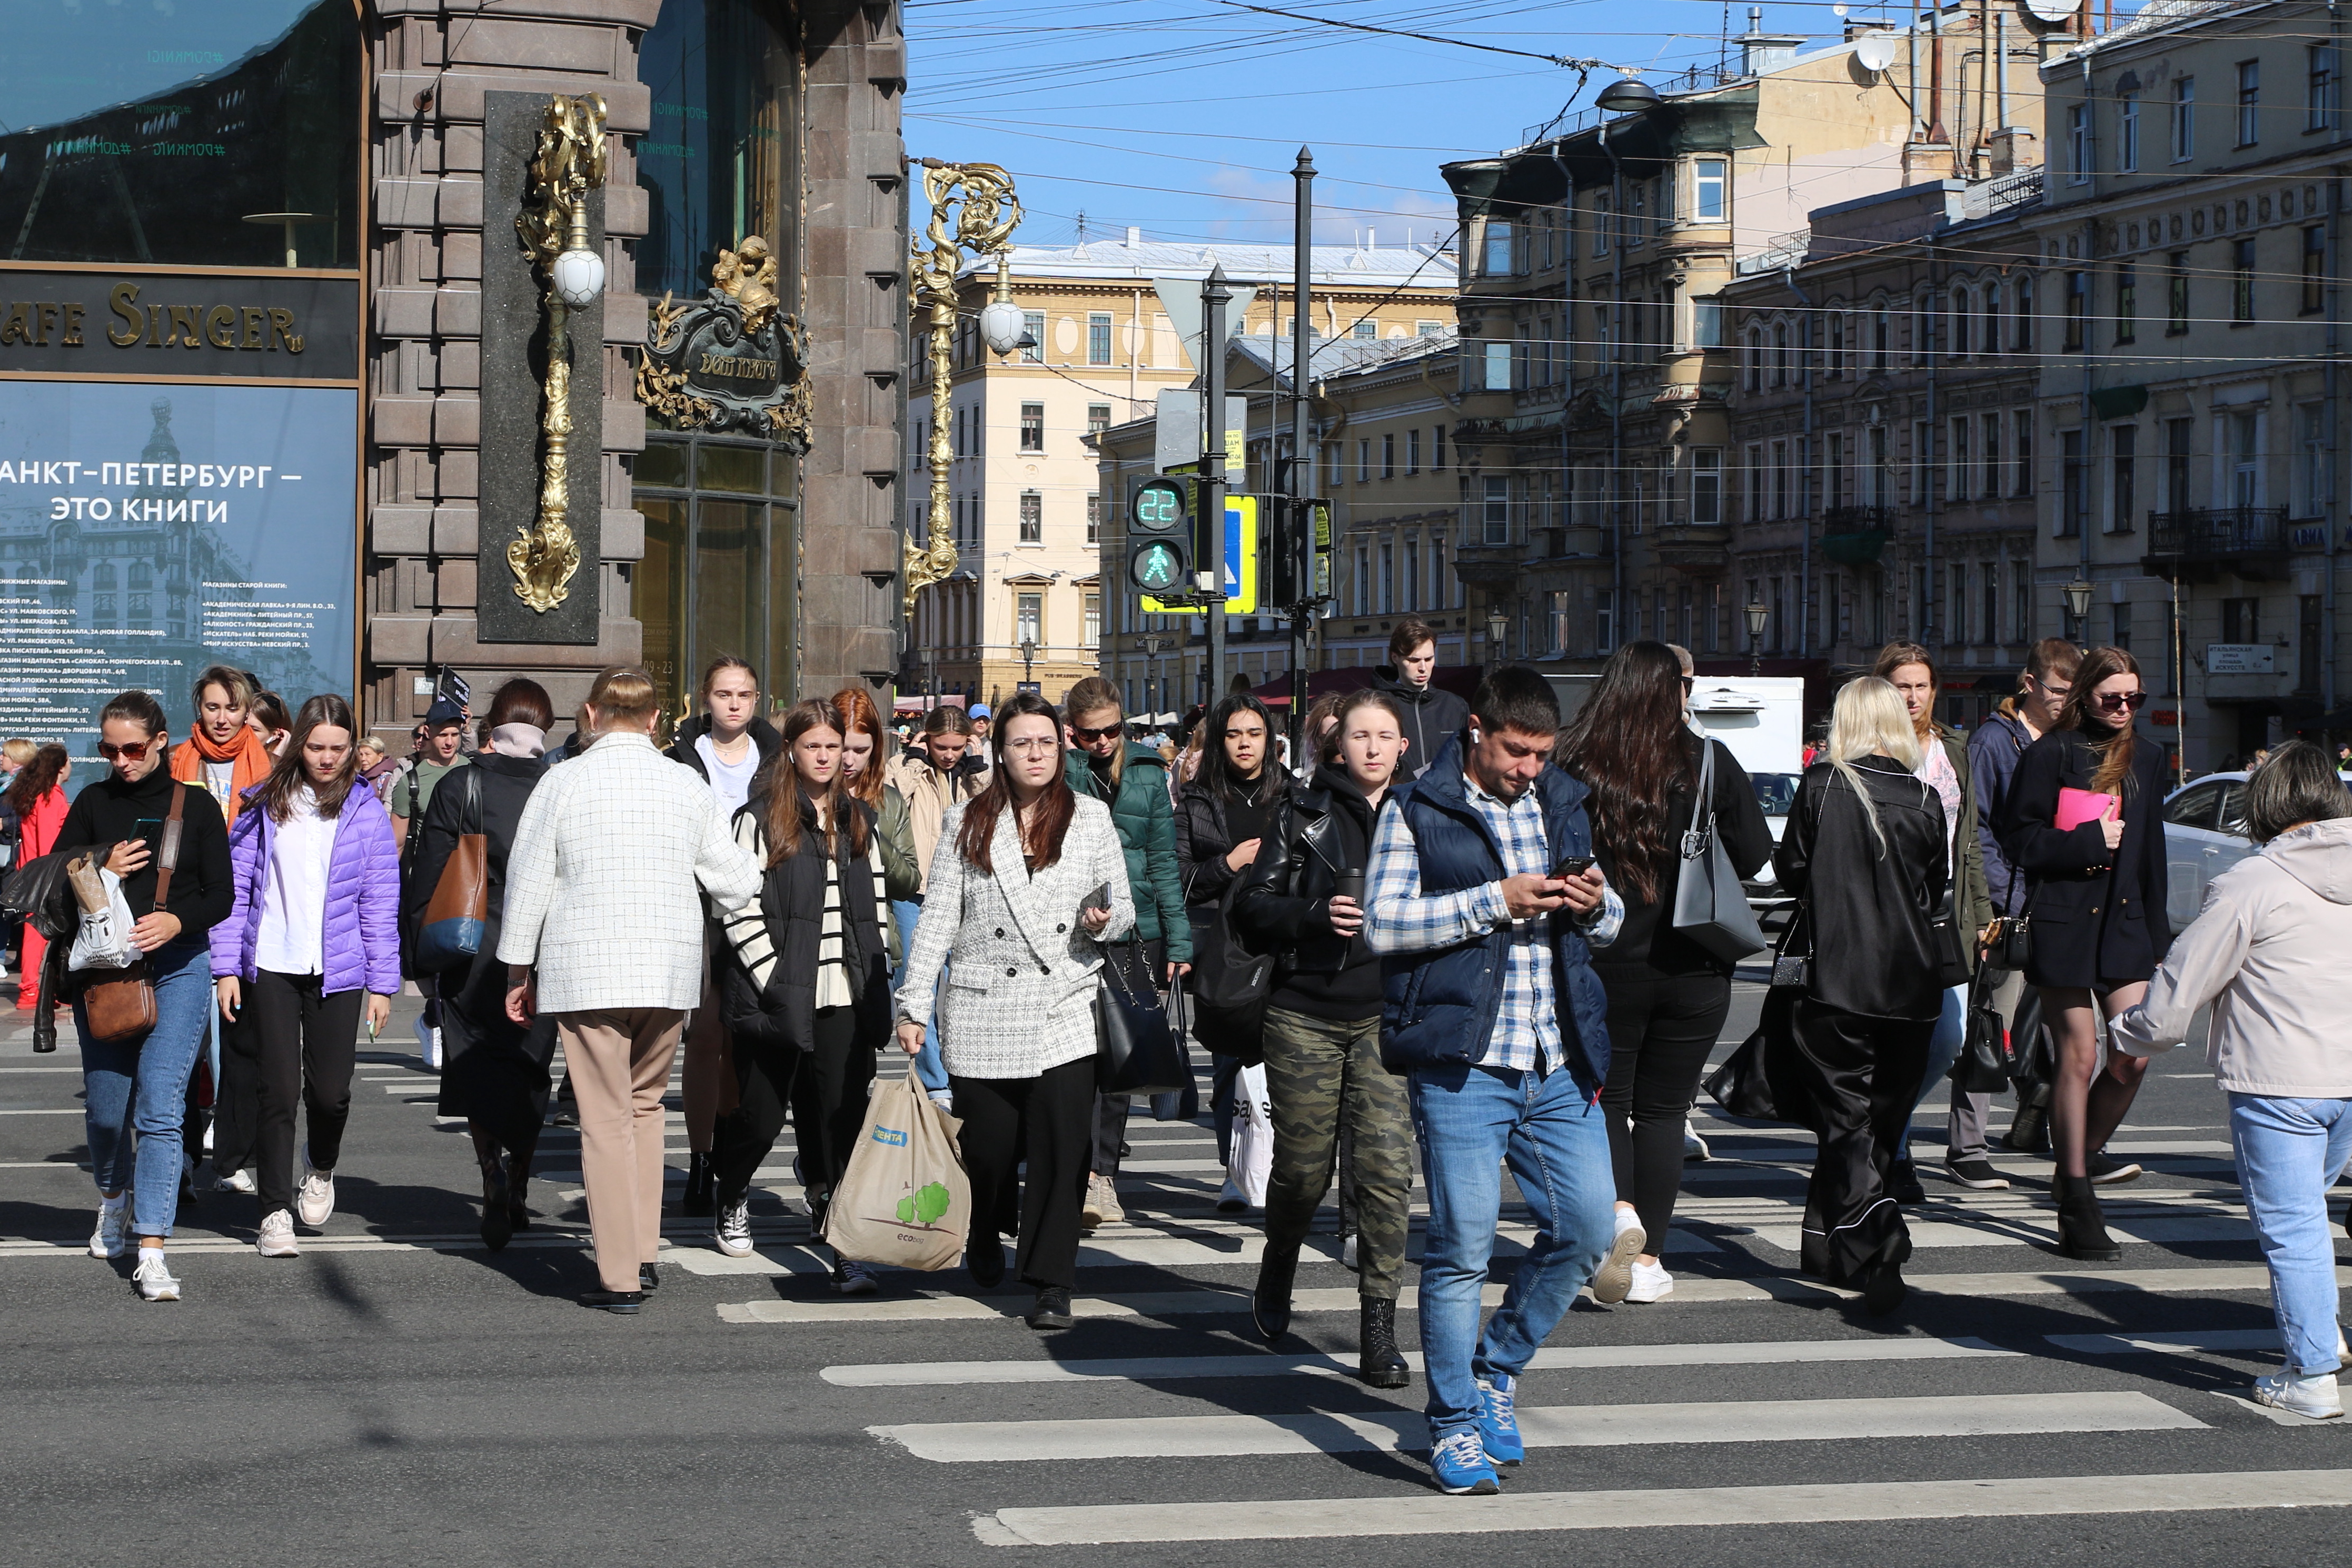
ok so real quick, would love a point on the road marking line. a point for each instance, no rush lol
(1340, 1518)
(2189, 1341)
(1548, 1427)
(2016, 1230)
(1152, 1369)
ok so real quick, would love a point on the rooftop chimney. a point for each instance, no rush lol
(1760, 51)
(1134, 237)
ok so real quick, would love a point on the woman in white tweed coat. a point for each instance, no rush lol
(1027, 881)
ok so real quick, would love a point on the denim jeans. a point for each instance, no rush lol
(1943, 1050)
(1468, 1121)
(931, 1068)
(2290, 1151)
(140, 1086)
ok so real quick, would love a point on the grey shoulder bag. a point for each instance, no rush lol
(1710, 906)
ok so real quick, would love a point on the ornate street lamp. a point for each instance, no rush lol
(1756, 617)
(1498, 625)
(2078, 607)
(1028, 658)
(554, 228)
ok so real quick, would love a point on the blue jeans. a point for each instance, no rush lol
(1943, 1050)
(2290, 1151)
(929, 1069)
(140, 1086)
(1469, 1121)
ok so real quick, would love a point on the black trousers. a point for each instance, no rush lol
(237, 1098)
(1142, 963)
(1660, 1028)
(1854, 1081)
(828, 1093)
(1044, 1120)
(767, 1079)
(307, 1043)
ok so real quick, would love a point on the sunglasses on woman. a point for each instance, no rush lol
(135, 752)
(1086, 736)
(2114, 701)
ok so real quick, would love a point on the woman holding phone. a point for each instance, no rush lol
(1028, 882)
(2085, 826)
(313, 942)
(137, 1087)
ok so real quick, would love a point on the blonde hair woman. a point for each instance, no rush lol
(1864, 853)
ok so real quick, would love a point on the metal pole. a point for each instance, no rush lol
(1214, 296)
(1616, 395)
(1302, 458)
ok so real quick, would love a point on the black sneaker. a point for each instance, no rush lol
(1978, 1173)
(1053, 1309)
(1903, 1183)
(2106, 1171)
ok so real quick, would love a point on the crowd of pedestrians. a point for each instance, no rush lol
(1460, 929)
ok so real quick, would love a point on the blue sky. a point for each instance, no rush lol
(1183, 116)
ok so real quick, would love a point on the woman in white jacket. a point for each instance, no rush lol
(2267, 953)
(1027, 882)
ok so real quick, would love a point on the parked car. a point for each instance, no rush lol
(1777, 794)
(2204, 836)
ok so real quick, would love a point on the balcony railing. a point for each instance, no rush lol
(1857, 519)
(2218, 533)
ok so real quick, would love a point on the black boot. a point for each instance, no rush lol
(518, 1178)
(497, 1214)
(2082, 1229)
(1378, 1360)
(701, 1197)
(1270, 1306)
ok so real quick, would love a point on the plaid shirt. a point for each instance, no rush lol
(1400, 919)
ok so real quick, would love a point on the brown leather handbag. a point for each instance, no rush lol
(458, 914)
(123, 1006)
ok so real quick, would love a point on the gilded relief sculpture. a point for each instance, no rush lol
(555, 230)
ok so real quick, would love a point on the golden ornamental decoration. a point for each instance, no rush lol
(733, 359)
(986, 212)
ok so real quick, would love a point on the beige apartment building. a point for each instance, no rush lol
(1029, 506)
(1594, 444)
(2192, 403)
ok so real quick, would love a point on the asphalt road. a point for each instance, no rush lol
(399, 1396)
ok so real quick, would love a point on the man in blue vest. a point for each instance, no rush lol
(1492, 1010)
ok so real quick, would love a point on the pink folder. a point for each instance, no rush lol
(2077, 806)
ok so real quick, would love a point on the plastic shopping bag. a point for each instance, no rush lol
(905, 1200)
(102, 939)
(1253, 1153)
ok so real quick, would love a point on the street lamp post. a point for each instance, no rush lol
(1028, 658)
(1757, 616)
(1498, 625)
(2078, 609)
(1151, 646)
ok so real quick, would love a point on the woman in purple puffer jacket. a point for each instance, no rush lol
(313, 934)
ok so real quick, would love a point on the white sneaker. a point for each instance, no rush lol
(1694, 1148)
(315, 1198)
(1231, 1199)
(731, 1232)
(1650, 1282)
(1615, 1275)
(2315, 1395)
(113, 1233)
(154, 1280)
(235, 1182)
(277, 1238)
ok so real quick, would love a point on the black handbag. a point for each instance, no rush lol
(1743, 1084)
(1988, 1056)
(1951, 944)
(1138, 1050)
(1229, 985)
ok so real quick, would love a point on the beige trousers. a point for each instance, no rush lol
(619, 1062)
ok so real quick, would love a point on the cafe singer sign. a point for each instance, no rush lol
(124, 322)
(731, 360)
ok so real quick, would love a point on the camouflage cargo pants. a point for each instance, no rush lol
(1318, 1072)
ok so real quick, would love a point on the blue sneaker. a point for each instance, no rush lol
(1459, 1463)
(1498, 1423)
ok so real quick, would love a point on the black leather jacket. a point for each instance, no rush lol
(1283, 905)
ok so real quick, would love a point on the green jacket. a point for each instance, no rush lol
(1971, 897)
(1146, 831)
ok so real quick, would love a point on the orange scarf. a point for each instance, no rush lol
(252, 758)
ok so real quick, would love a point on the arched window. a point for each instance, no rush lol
(1956, 337)
(2024, 339)
(1992, 333)
(1780, 353)
(1755, 372)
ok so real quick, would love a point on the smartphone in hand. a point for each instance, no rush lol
(1573, 865)
(1098, 900)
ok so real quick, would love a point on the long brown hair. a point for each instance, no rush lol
(2115, 745)
(1048, 823)
(1893, 657)
(1626, 744)
(787, 791)
(286, 776)
(37, 778)
(859, 712)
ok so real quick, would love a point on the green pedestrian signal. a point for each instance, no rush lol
(1158, 568)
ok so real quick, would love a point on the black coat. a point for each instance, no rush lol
(1648, 937)
(1431, 717)
(781, 1012)
(474, 993)
(765, 739)
(1868, 910)
(1319, 830)
(2098, 915)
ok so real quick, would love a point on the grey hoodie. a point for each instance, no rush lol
(2268, 952)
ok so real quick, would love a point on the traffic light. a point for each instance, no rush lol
(1299, 555)
(1159, 538)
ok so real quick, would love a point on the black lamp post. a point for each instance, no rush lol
(2078, 608)
(1498, 625)
(1757, 616)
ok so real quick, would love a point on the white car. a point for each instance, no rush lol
(1777, 794)
(2204, 836)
